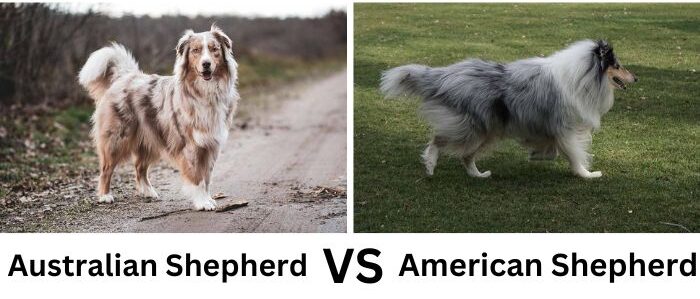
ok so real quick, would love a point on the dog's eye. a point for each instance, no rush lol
(196, 51)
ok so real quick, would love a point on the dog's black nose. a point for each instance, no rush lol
(635, 79)
(206, 65)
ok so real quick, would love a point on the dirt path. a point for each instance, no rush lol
(289, 164)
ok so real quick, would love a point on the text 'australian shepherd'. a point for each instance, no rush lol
(550, 105)
(184, 117)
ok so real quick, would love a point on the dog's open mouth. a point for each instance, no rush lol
(618, 83)
(206, 75)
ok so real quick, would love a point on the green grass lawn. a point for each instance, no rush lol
(647, 148)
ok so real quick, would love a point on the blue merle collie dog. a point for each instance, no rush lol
(550, 105)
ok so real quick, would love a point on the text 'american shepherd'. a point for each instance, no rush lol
(184, 117)
(550, 105)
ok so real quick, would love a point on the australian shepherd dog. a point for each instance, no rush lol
(184, 117)
(550, 105)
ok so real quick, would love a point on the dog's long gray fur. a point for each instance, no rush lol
(473, 103)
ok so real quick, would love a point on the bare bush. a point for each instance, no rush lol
(44, 47)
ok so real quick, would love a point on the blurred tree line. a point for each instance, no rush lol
(43, 47)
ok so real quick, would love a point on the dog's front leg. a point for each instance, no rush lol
(545, 153)
(199, 195)
(195, 173)
(574, 147)
(210, 170)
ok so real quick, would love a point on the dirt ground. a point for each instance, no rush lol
(288, 163)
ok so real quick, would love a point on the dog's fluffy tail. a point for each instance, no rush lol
(103, 67)
(403, 80)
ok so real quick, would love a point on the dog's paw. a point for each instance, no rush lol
(106, 198)
(429, 167)
(204, 204)
(594, 174)
(591, 175)
(148, 192)
(481, 175)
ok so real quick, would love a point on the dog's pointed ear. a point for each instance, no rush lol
(183, 42)
(221, 36)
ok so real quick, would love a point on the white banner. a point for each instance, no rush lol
(307, 271)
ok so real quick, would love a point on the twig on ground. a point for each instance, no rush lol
(164, 214)
(231, 206)
(677, 225)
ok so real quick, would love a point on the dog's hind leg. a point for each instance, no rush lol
(110, 155)
(574, 147)
(430, 158)
(432, 153)
(142, 160)
(469, 156)
(469, 163)
(106, 171)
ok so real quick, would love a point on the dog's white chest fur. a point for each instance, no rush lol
(210, 124)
